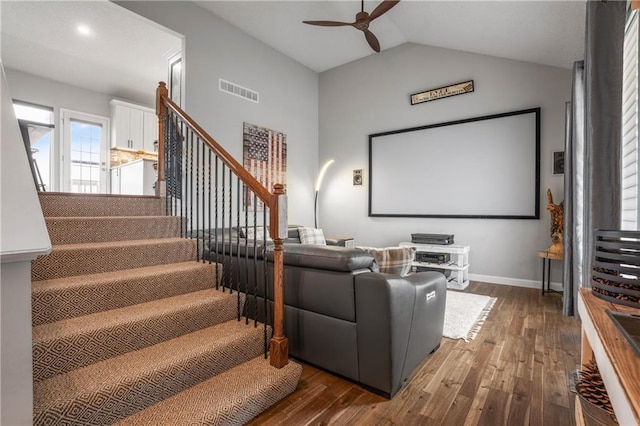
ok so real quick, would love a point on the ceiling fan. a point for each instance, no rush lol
(363, 19)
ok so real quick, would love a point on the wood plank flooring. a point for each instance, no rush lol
(515, 372)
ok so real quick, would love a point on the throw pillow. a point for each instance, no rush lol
(311, 236)
(256, 233)
(393, 260)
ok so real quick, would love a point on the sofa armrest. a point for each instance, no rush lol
(399, 322)
(341, 242)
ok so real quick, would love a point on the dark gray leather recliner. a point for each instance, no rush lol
(344, 317)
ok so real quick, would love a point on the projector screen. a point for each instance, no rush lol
(481, 167)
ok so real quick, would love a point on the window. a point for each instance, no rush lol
(85, 156)
(630, 87)
(175, 79)
(36, 122)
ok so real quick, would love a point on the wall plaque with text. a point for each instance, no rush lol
(442, 92)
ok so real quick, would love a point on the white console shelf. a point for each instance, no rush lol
(458, 265)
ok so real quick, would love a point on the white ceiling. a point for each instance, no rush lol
(126, 54)
(549, 32)
(123, 56)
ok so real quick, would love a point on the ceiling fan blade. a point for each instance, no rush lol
(372, 40)
(382, 8)
(328, 23)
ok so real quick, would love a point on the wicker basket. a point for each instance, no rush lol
(616, 270)
(595, 415)
(594, 400)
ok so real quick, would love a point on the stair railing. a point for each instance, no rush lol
(219, 202)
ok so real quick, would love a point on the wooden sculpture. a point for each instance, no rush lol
(557, 224)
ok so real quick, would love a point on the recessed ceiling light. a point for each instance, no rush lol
(83, 29)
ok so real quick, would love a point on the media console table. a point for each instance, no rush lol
(458, 265)
(618, 365)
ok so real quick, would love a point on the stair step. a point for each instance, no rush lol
(111, 390)
(78, 230)
(67, 204)
(62, 298)
(92, 258)
(233, 397)
(74, 343)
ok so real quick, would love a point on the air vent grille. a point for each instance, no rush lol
(236, 90)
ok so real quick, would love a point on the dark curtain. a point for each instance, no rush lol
(605, 21)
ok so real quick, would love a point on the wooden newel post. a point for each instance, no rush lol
(278, 345)
(161, 111)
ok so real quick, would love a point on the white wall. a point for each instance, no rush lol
(372, 95)
(23, 236)
(288, 91)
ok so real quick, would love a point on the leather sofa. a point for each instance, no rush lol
(340, 314)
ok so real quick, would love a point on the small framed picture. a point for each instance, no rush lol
(558, 162)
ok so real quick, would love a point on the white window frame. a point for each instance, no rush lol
(66, 115)
(53, 148)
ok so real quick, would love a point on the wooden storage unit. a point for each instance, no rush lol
(618, 365)
(458, 265)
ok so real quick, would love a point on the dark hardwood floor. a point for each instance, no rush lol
(515, 372)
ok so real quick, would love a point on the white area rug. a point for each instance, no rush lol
(465, 313)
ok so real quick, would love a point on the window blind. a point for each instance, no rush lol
(630, 199)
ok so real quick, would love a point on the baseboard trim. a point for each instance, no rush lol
(516, 282)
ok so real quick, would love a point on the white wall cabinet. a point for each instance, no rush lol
(133, 127)
(134, 178)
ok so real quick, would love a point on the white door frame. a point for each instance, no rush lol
(66, 115)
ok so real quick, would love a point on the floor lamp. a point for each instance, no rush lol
(318, 183)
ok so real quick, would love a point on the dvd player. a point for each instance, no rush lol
(428, 257)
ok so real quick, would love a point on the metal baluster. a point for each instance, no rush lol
(225, 270)
(204, 226)
(232, 266)
(210, 227)
(168, 131)
(191, 184)
(246, 245)
(255, 261)
(216, 229)
(238, 241)
(197, 195)
(167, 152)
(178, 145)
(266, 279)
(173, 162)
(180, 181)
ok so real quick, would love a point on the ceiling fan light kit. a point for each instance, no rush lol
(363, 19)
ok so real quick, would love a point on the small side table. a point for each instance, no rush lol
(547, 257)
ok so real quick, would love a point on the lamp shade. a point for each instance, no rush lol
(322, 172)
(318, 184)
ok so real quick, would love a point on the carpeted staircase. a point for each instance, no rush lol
(128, 327)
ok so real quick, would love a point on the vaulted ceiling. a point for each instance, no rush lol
(124, 53)
(544, 32)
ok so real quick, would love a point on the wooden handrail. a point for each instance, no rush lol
(275, 202)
